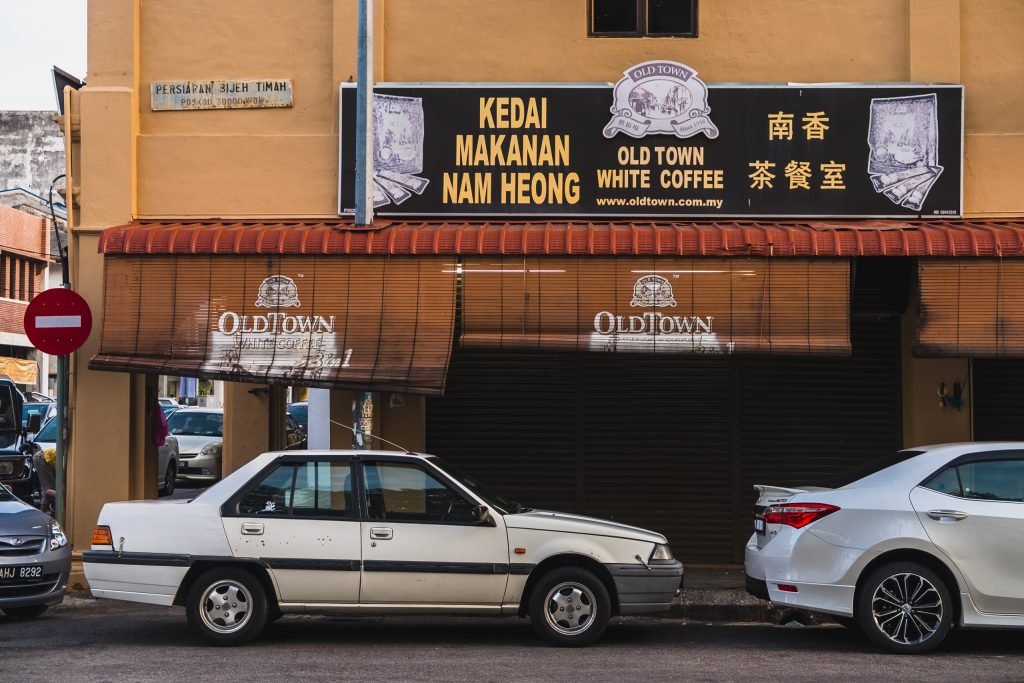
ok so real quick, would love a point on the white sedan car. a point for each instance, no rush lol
(907, 548)
(374, 533)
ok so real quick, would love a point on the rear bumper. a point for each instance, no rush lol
(643, 590)
(758, 588)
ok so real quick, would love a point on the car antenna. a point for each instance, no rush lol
(372, 436)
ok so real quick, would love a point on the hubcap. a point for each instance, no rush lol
(569, 608)
(907, 608)
(226, 606)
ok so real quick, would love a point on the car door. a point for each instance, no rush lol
(300, 519)
(422, 542)
(973, 511)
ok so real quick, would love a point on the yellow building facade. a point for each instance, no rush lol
(130, 163)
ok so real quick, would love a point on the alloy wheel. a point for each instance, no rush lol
(569, 608)
(907, 608)
(226, 606)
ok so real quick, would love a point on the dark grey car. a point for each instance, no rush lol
(35, 558)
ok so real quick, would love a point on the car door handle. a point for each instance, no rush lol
(380, 533)
(954, 515)
(252, 529)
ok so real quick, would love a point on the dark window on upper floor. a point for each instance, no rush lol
(634, 18)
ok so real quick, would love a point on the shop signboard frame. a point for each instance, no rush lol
(712, 166)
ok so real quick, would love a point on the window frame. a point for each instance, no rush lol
(356, 514)
(430, 469)
(969, 459)
(642, 24)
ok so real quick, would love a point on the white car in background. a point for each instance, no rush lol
(167, 455)
(373, 533)
(200, 436)
(907, 548)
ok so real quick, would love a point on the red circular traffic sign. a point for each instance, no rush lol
(58, 321)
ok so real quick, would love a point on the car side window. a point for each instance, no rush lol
(945, 481)
(406, 492)
(323, 489)
(1000, 480)
(271, 496)
(306, 489)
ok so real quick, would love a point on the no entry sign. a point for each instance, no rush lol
(58, 321)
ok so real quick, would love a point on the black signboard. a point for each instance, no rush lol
(538, 150)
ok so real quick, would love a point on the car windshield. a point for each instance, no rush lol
(8, 418)
(195, 423)
(495, 500)
(48, 434)
(869, 468)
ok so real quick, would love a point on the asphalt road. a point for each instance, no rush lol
(86, 640)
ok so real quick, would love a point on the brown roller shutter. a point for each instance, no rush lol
(680, 305)
(379, 323)
(971, 307)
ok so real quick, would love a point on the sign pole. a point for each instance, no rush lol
(364, 115)
(62, 400)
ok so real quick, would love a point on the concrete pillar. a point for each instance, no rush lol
(246, 424)
(925, 420)
(341, 414)
(143, 457)
(277, 406)
(934, 41)
(319, 425)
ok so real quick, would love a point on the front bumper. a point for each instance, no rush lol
(48, 590)
(190, 467)
(645, 589)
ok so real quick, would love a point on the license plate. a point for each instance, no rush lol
(20, 573)
(759, 525)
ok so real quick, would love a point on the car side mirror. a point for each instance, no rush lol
(483, 515)
(34, 423)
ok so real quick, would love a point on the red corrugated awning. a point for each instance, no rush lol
(819, 238)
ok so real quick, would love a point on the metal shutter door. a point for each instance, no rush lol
(998, 400)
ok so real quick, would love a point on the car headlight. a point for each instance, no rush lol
(57, 537)
(661, 552)
(211, 449)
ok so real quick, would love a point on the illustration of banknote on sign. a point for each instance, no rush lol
(399, 130)
(903, 135)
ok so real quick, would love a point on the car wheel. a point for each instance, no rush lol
(569, 607)
(25, 612)
(905, 607)
(227, 606)
(170, 476)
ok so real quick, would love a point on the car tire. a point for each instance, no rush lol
(25, 612)
(574, 589)
(170, 477)
(227, 606)
(904, 607)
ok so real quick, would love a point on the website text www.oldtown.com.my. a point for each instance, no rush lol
(660, 201)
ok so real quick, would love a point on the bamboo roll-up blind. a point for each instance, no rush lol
(372, 322)
(658, 304)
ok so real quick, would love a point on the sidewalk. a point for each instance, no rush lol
(710, 593)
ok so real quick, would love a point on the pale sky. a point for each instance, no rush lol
(36, 35)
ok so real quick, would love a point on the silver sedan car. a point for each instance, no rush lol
(906, 549)
(35, 558)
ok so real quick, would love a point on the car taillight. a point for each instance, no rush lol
(101, 536)
(797, 515)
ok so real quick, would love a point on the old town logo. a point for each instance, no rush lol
(278, 291)
(661, 97)
(652, 290)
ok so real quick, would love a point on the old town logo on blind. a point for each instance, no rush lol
(294, 343)
(652, 290)
(654, 331)
(661, 97)
(278, 291)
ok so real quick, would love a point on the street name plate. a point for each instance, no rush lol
(222, 94)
